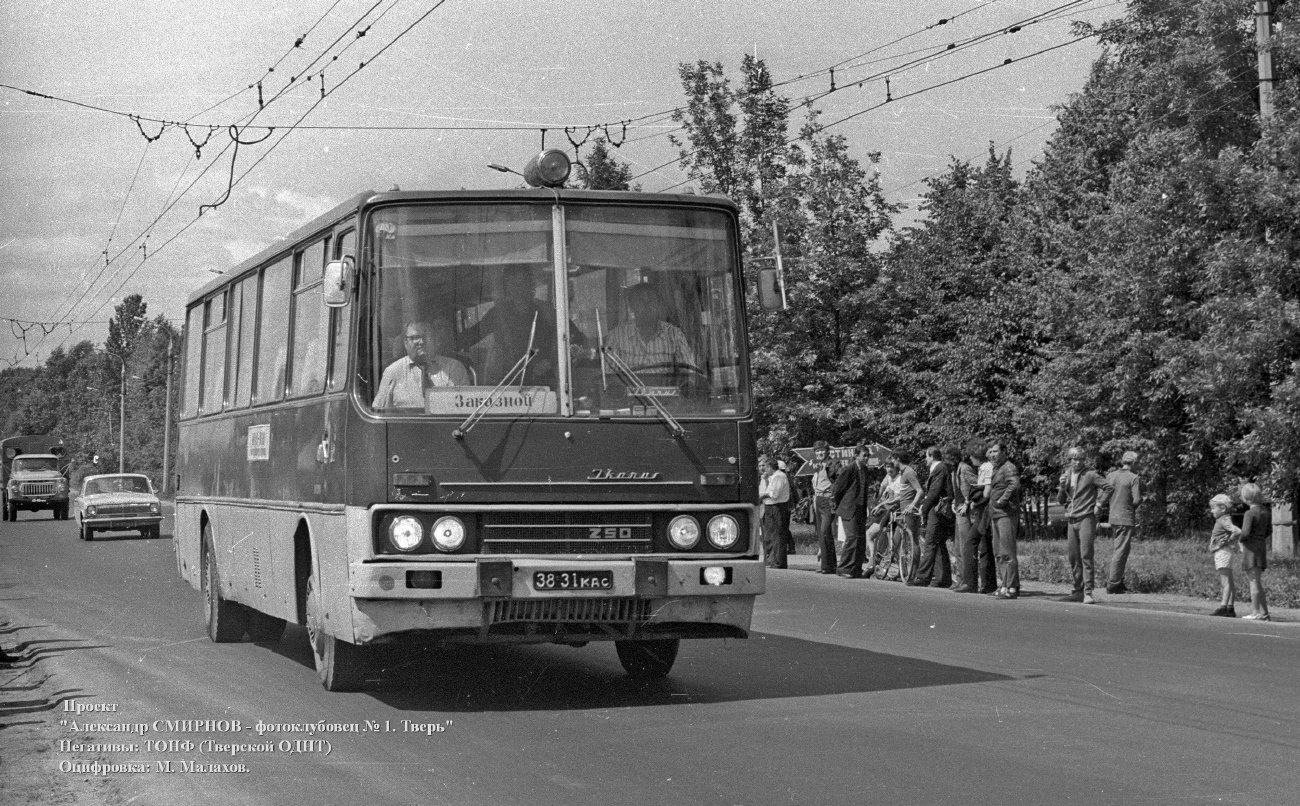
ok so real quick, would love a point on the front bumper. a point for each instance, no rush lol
(496, 599)
(122, 522)
(30, 502)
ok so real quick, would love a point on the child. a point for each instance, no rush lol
(1256, 531)
(1221, 541)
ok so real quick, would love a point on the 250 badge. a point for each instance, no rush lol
(609, 533)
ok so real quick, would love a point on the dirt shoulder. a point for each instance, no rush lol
(31, 696)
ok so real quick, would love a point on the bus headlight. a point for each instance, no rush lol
(448, 533)
(683, 532)
(723, 531)
(405, 533)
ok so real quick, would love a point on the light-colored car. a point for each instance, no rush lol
(117, 502)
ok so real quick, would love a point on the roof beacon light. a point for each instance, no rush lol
(549, 169)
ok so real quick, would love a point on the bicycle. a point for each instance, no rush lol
(895, 543)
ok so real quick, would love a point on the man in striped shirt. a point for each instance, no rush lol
(648, 344)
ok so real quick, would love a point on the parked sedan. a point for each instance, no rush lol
(117, 502)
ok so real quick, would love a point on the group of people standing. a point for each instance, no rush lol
(971, 497)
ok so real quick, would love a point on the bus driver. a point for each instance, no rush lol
(649, 342)
(405, 380)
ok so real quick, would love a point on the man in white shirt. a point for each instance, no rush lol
(774, 493)
(405, 381)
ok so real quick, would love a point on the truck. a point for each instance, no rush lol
(33, 476)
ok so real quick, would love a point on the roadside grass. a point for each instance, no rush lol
(1180, 566)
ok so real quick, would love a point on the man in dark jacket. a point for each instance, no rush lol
(936, 514)
(849, 498)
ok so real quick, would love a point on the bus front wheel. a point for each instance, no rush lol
(645, 660)
(339, 664)
(225, 620)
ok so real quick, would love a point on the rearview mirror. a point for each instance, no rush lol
(769, 290)
(337, 285)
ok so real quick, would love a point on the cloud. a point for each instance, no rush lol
(309, 206)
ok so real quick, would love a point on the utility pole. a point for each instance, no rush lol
(1263, 35)
(780, 266)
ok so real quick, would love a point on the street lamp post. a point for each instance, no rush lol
(121, 419)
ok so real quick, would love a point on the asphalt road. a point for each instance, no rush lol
(848, 692)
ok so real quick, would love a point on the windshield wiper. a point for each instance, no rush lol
(519, 369)
(637, 388)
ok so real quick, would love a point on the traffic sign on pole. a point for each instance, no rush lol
(876, 456)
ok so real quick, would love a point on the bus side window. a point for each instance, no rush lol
(273, 331)
(310, 322)
(193, 362)
(214, 353)
(243, 367)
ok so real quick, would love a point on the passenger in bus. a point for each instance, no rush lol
(510, 322)
(649, 343)
(405, 380)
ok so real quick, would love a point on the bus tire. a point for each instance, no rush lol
(339, 665)
(226, 621)
(648, 660)
(264, 629)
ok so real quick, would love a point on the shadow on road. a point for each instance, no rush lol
(546, 677)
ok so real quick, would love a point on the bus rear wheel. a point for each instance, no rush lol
(226, 621)
(648, 660)
(339, 665)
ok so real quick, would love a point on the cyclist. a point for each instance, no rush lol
(901, 493)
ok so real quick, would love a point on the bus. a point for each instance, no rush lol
(507, 416)
(45, 493)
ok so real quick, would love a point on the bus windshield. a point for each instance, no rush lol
(466, 311)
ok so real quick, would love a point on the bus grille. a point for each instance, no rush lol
(37, 488)
(567, 533)
(612, 611)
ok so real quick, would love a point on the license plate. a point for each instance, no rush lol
(573, 580)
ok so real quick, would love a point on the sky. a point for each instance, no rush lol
(96, 205)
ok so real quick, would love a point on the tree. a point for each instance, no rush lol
(125, 326)
(829, 211)
(603, 172)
